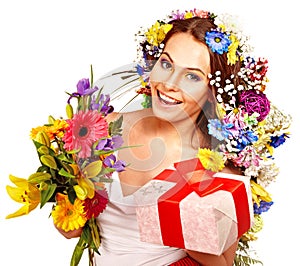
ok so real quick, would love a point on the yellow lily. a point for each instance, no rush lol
(84, 189)
(259, 193)
(25, 193)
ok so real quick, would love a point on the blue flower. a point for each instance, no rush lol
(245, 138)
(219, 130)
(140, 70)
(278, 140)
(263, 207)
(217, 41)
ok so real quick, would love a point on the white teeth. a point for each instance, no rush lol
(167, 99)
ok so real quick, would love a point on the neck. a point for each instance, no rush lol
(185, 131)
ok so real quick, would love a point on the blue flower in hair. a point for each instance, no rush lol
(217, 41)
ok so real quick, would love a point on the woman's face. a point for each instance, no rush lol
(179, 79)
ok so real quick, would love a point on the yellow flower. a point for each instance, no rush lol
(68, 216)
(211, 160)
(84, 189)
(25, 193)
(259, 193)
(188, 15)
(57, 129)
(231, 55)
(35, 131)
(221, 112)
(156, 34)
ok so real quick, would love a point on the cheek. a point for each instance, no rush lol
(158, 74)
(153, 87)
(197, 95)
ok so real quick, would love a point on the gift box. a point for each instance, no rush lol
(206, 216)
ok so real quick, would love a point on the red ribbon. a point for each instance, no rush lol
(168, 203)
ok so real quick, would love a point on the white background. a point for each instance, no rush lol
(47, 46)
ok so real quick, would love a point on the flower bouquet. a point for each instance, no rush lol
(77, 158)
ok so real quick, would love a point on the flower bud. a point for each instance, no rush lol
(69, 111)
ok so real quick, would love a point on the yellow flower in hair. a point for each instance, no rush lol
(211, 160)
(188, 15)
(156, 34)
(68, 216)
(259, 193)
(232, 57)
(221, 112)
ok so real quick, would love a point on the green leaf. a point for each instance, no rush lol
(63, 172)
(47, 194)
(71, 195)
(95, 234)
(38, 177)
(43, 150)
(49, 161)
(92, 76)
(86, 234)
(115, 127)
(78, 251)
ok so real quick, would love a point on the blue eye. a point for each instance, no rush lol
(193, 77)
(165, 64)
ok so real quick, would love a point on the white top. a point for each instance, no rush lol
(120, 235)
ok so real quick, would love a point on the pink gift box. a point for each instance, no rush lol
(207, 216)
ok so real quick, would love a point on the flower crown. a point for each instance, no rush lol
(248, 127)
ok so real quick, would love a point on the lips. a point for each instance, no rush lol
(167, 99)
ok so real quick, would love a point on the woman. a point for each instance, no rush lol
(183, 99)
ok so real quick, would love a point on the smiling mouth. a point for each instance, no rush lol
(166, 99)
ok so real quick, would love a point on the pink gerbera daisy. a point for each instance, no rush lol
(84, 129)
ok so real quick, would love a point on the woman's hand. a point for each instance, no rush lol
(70, 234)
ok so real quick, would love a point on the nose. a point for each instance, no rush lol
(172, 82)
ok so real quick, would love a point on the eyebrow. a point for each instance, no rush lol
(189, 68)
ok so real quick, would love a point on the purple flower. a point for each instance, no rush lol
(112, 162)
(102, 104)
(110, 143)
(255, 101)
(83, 87)
(263, 207)
(177, 15)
